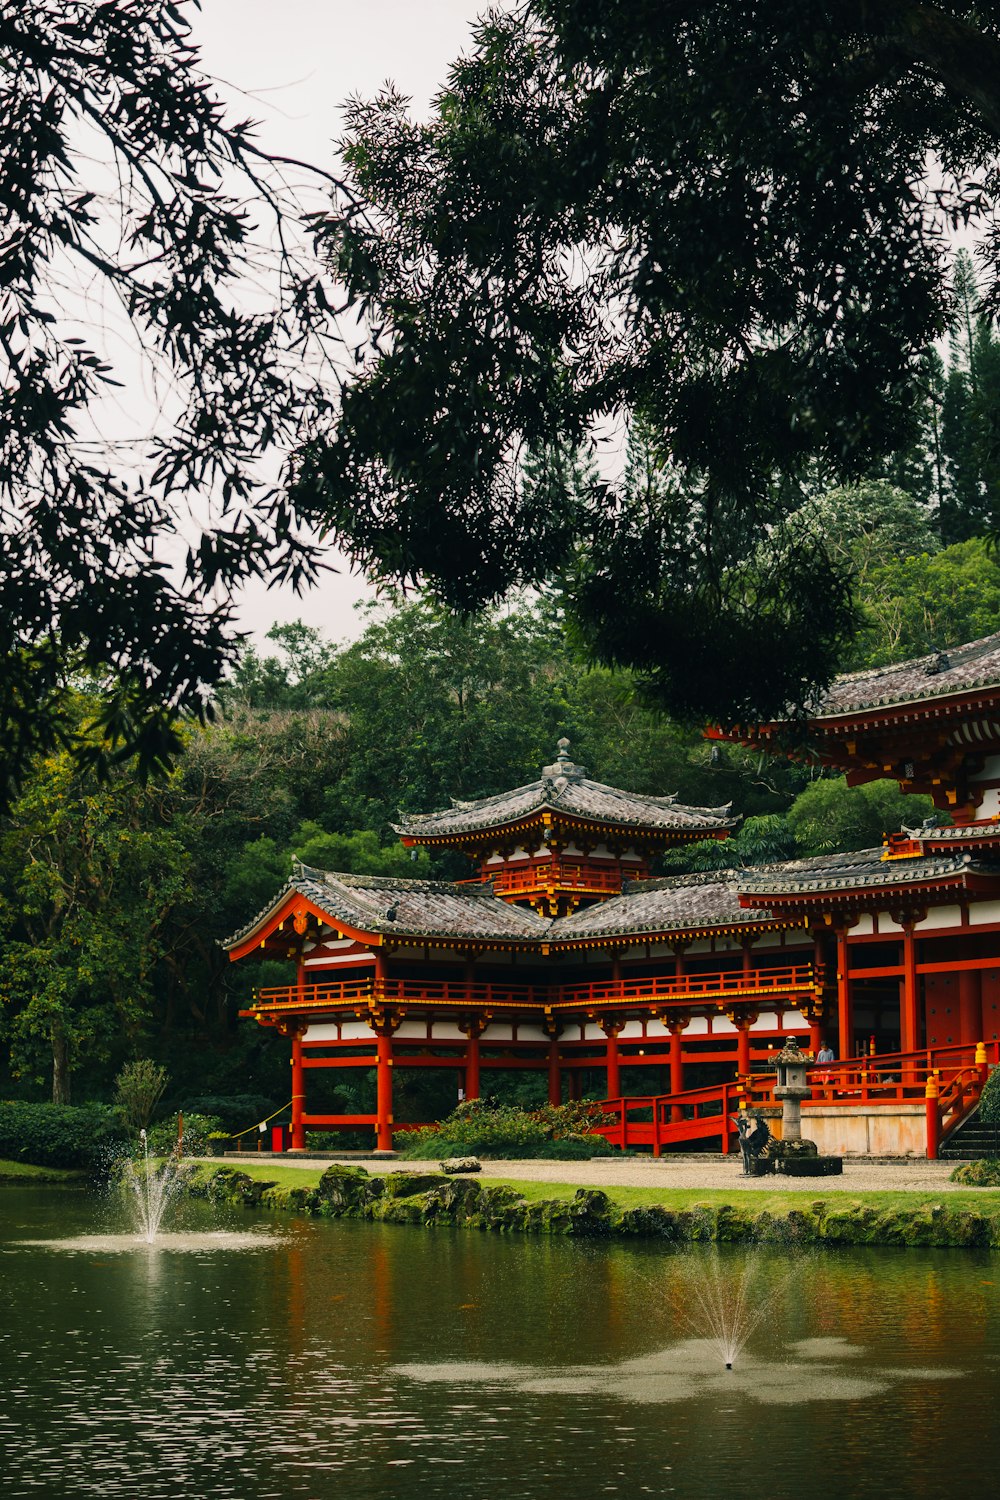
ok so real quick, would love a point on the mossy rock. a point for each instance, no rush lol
(301, 1199)
(343, 1190)
(969, 1229)
(410, 1184)
(591, 1212)
(227, 1185)
(651, 1219)
(400, 1211)
(858, 1224)
(255, 1194)
(547, 1216)
(734, 1225)
(800, 1226)
(700, 1222)
(500, 1207)
(454, 1199)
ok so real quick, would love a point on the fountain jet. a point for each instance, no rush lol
(151, 1191)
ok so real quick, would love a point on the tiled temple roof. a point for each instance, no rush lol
(965, 833)
(961, 669)
(410, 908)
(388, 906)
(679, 903)
(434, 908)
(565, 788)
(860, 870)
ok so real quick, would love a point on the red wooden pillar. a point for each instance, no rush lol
(383, 1106)
(472, 1064)
(845, 1008)
(298, 1094)
(909, 1024)
(970, 1005)
(612, 1061)
(676, 1065)
(742, 1047)
(933, 1118)
(747, 956)
(815, 1034)
(555, 1076)
(300, 979)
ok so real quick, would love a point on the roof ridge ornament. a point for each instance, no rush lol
(562, 768)
(939, 662)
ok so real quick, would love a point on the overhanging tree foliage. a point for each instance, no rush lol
(122, 191)
(718, 216)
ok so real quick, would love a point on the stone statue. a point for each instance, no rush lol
(754, 1140)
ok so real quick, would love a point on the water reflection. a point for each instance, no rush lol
(692, 1370)
(370, 1362)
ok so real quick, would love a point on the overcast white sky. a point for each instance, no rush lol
(298, 60)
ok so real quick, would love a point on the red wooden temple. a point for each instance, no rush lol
(563, 955)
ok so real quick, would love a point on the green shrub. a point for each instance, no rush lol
(138, 1090)
(336, 1141)
(578, 1148)
(985, 1173)
(59, 1135)
(197, 1130)
(236, 1111)
(484, 1128)
(575, 1118)
(989, 1100)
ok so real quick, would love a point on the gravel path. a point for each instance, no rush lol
(860, 1174)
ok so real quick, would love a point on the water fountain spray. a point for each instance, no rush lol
(151, 1191)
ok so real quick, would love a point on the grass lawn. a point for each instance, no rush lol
(22, 1173)
(982, 1200)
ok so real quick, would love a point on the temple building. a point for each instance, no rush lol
(563, 955)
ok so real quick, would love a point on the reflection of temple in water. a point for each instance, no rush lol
(563, 955)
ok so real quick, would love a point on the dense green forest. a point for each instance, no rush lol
(114, 895)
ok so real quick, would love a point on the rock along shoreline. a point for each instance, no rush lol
(431, 1199)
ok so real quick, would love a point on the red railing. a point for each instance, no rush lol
(555, 875)
(794, 979)
(672, 1119)
(316, 996)
(892, 1078)
(676, 988)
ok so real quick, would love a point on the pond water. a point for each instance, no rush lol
(294, 1358)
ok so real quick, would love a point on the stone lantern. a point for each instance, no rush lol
(792, 1155)
(791, 1064)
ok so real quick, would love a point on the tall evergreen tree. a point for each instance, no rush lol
(968, 503)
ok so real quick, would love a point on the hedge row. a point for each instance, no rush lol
(59, 1135)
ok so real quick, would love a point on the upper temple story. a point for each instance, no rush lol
(931, 723)
(564, 839)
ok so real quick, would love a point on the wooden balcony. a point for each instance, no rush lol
(721, 988)
(552, 875)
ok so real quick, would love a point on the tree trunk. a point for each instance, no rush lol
(60, 1066)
